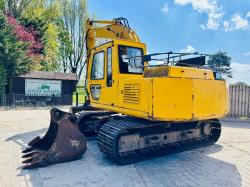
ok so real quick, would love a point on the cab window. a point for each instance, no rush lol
(130, 60)
(109, 67)
(97, 70)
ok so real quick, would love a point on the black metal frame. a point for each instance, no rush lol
(122, 21)
(109, 84)
(170, 55)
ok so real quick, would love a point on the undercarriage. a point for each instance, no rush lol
(124, 139)
(127, 140)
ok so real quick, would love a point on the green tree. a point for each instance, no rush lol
(221, 62)
(74, 17)
(40, 17)
(2, 4)
(51, 48)
(13, 53)
(16, 7)
(3, 79)
(59, 25)
(65, 47)
(44, 15)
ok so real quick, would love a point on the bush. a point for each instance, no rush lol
(14, 59)
(2, 80)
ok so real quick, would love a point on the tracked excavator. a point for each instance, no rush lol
(139, 105)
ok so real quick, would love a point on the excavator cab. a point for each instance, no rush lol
(110, 63)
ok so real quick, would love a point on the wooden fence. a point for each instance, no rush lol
(239, 101)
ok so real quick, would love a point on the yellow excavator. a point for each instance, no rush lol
(139, 105)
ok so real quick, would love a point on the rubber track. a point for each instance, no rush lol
(109, 134)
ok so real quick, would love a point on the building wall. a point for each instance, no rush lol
(68, 87)
(18, 85)
(239, 101)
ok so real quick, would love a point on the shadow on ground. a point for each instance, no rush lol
(24, 138)
(236, 124)
(190, 168)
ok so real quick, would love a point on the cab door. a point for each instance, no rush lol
(102, 84)
(96, 75)
(109, 96)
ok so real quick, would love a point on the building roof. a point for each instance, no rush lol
(49, 75)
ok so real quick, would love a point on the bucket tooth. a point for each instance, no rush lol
(29, 154)
(33, 165)
(63, 142)
(29, 160)
(27, 150)
(35, 141)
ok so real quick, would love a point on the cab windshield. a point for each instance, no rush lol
(130, 60)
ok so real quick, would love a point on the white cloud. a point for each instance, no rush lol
(165, 9)
(210, 7)
(240, 73)
(182, 2)
(247, 53)
(215, 15)
(188, 49)
(248, 15)
(237, 23)
(226, 25)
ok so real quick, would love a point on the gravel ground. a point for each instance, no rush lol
(226, 163)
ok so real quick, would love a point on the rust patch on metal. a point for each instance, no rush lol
(156, 72)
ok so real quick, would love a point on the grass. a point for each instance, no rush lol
(81, 98)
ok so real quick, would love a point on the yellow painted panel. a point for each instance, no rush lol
(178, 72)
(187, 72)
(172, 99)
(210, 98)
(131, 112)
(134, 94)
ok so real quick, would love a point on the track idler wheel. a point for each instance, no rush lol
(63, 142)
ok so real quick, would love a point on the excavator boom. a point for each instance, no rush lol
(115, 29)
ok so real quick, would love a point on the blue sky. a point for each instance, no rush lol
(187, 25)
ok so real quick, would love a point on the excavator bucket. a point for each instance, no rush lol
(63, 142)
